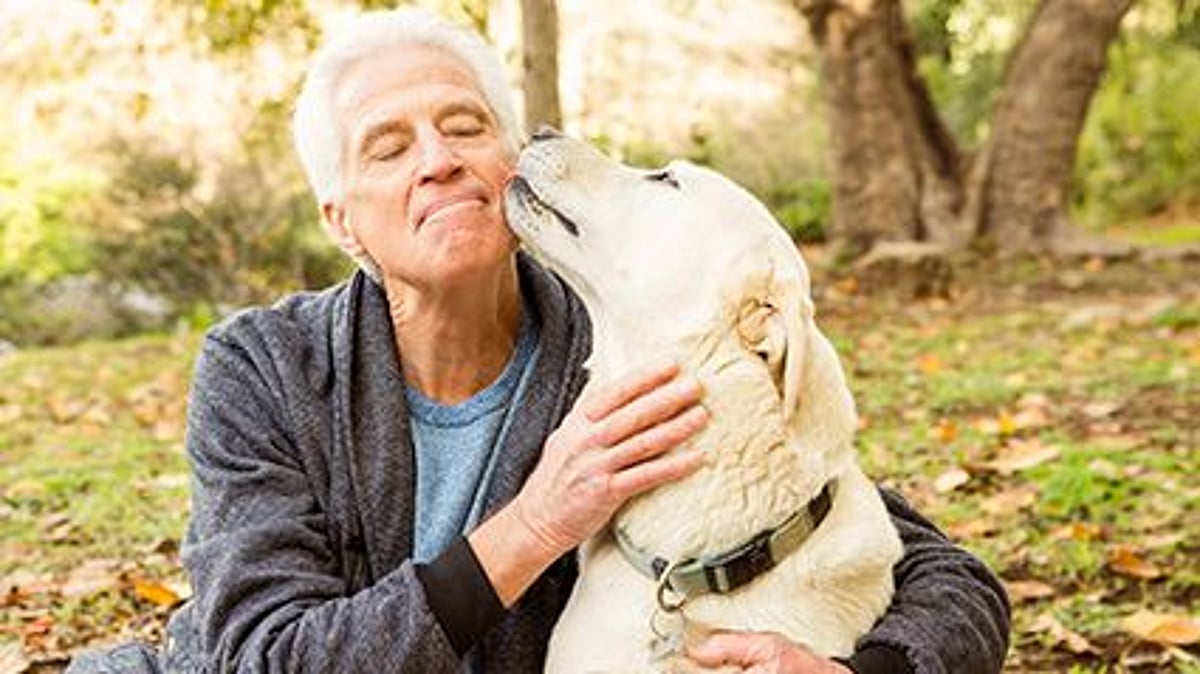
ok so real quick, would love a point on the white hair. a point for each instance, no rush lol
(316, 130)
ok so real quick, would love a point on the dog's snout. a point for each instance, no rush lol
(545, 132)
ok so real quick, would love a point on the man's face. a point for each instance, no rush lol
(423, 170)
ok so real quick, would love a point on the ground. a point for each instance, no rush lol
(1044, 415)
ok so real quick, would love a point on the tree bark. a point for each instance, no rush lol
(539, 23)
(1037, 121)
(895, 163)
(898, 173)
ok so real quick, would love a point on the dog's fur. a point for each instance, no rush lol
(683, 263)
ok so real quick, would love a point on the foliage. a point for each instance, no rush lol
(244, 235)
(40, 237)
(1138, 153)
(803, 209)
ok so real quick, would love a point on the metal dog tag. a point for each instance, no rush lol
(669, 629)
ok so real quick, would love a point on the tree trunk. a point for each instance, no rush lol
(898, 174)
(1038, 118)
(539, 23)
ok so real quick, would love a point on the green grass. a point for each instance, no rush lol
(91, 456)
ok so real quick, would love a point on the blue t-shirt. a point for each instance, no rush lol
(455, 448)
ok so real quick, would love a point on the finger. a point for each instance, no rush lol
(649, 410)
(743, 649)
(650, 474)
(657, 440)
(611, 396)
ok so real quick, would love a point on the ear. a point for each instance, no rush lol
(818, 405)
(778, 325)
(337, 224)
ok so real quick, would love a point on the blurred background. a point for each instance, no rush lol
(146, 174)
(1000, 200)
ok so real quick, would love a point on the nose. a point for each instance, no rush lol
(438, 161)
(545, 132)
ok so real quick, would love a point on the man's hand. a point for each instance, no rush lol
(612, 445)
(609, 448)
(762, 653)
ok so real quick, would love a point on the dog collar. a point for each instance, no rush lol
(729, 570)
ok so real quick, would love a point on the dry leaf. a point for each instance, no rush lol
(951, 480)
(155, 592)
(1163, 628)
(1033, 417)
(1164, 540)
(1074, 642)
(65, 410)
(1127, 561)
(91, 577)
(1019, 455)
(1028, 590)
(929, 364)
(1078, 531)
(1100, 409)
(10, 413)
(976, 527)
(945, 431)
(1010, 501)
(1002, 425)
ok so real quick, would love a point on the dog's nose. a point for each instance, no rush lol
(545, 132)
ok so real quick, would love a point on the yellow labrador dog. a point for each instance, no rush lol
(780, 530)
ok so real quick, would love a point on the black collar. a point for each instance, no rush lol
(726, 571)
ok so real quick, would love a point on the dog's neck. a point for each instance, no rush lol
(754, 476)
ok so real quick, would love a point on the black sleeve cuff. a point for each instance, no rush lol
(878, 659)
(460, 595)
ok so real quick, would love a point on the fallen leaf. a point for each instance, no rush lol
(974, 528)
(1029, 418)
(1127, 561)
(847, 285)
(65, 410)
(155, 592)
(92, 577)
(1010, 501)
(1100, 409)
(945, 432)
(39, 626)
(1165, 540)
(929, 364)
(1028, 590)
(1162, 628)
(1002, 425)
(1018, 455)
(1074, 642)
(1078, 531)
(950, 480)
(10, 413)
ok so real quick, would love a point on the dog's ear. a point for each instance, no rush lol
(777, 324)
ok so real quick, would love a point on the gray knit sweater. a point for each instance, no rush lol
(301, 528)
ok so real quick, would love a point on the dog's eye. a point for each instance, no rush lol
(663, 176)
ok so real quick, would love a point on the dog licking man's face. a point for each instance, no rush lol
(641, 244)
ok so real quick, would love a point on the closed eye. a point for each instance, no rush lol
(664, 176)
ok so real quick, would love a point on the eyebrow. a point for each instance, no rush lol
(463, 107)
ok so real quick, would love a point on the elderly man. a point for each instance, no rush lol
(392, 475)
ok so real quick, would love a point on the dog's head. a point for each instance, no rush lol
(681, 261)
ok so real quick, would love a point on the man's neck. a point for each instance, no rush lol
(454, 344)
